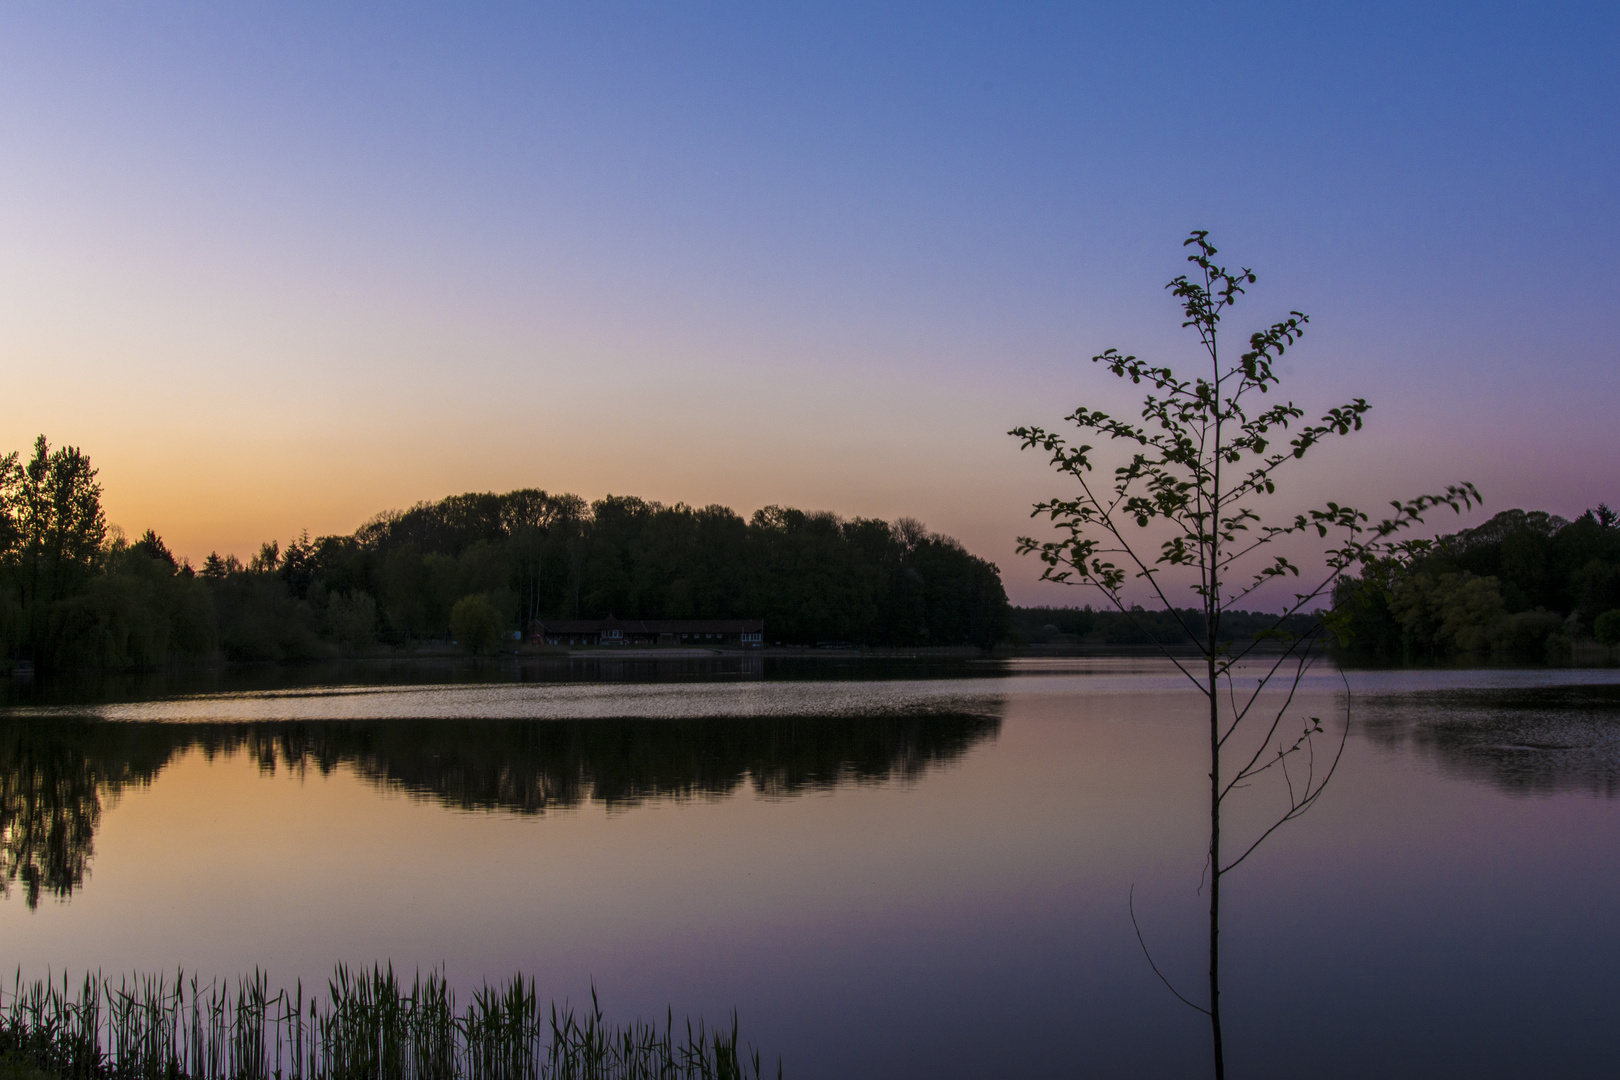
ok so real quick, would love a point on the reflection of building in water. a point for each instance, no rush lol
(747, 633)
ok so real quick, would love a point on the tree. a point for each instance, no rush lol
(1181, 512)
(51, 523)
(1608, 627)
(1549, 577)
(475, 623)
(352, 618)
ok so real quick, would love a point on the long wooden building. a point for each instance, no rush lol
(743, 633)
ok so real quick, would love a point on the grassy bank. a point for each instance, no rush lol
(366, 1026)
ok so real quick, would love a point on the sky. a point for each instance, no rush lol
(278, 267)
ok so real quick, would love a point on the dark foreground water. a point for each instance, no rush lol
(902, 871)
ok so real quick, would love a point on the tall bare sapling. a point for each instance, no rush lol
(1181, 512)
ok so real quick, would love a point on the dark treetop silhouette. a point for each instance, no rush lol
(468, 567)
(1523, 587)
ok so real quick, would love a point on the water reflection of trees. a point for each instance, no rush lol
(56, 773)
(1537, 740)
(54, 776)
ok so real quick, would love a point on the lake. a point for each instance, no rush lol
(887, 869)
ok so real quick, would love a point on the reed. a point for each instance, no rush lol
(369, 1025)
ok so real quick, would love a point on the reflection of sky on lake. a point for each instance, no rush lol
(936, 886)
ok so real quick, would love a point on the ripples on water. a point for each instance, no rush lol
(988, 822)
(1525, 739)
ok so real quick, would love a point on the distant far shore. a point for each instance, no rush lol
(449, 656)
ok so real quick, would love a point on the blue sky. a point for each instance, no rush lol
(280, 266)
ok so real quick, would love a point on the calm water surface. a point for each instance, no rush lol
(907, 870)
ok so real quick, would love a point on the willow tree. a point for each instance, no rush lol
(1181, 515)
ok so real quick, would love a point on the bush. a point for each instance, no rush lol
(352, 618)
(260, 620)
(14, 1066)
(1607, 627)
(1449, 613)
(475, 623)
(1522, 638)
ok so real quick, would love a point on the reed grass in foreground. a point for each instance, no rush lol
(367, 1026)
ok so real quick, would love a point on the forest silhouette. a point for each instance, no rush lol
(474, 568)
(1523, 587)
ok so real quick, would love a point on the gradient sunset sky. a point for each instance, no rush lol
(282, 266)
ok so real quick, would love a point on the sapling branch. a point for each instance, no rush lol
(1131, 903)
(1197, 460)
(1301, 805)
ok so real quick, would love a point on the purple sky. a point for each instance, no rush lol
(280, 267)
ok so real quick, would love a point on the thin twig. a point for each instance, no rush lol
(1131, 903)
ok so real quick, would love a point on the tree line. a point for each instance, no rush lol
(1523, 587)
(468, 568)
(1520, 588)
(1142, 626)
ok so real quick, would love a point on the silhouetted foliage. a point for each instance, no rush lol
(1607, 627)
(75, 596)
(1519, 588)
(475, 623)
(811, 576)
(54, 525)
(74, 593)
